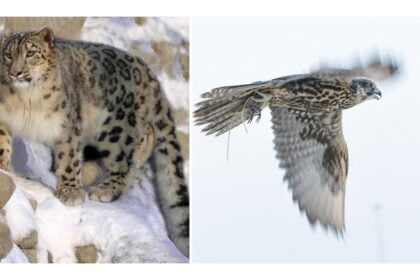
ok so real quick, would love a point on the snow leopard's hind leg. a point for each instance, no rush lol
(120, 158)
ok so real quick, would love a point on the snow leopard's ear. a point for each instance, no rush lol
(4, 34)
(47, 35)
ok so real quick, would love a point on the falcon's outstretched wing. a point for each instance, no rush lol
(312, 149)
(377, 70)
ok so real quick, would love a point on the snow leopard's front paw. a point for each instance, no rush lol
(71, 196)
(105, 193)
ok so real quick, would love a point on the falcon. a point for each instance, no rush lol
(306, 114)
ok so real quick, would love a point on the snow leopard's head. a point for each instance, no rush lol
(28, 57)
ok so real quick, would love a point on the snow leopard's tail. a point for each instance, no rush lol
(172, 190)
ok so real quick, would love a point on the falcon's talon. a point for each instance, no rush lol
(255, 110)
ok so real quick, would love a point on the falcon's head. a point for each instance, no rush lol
(364, 89)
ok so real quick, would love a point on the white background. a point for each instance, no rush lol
(242, 211)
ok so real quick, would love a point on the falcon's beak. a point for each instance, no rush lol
(376, 94)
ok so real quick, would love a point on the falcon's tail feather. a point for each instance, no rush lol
(228, 107)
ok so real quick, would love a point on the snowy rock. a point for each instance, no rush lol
(86, 254)
(140, 20)
(128, 230)
(7, 187)
(19, 214)
(33, 203)
(50, 257)
(28, 242)
(31, 254)
(6, 242)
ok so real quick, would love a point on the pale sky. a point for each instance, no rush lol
(242, 211)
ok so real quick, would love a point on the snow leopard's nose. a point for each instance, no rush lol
(15, 74)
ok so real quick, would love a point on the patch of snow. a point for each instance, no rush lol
(19, 215)
(181, 25)
(121, 32)
(35, 155)
(176, 91)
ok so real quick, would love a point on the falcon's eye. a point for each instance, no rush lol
(30, 53)
(354, 86)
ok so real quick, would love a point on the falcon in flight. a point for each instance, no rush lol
(308, 137)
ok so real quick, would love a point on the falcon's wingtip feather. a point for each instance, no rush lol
(384, 67)
(337, 227)
(339, 232)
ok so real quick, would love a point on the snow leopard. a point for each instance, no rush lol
(71, 94)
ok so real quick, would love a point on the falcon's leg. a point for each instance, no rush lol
(255, 103)
(255, 111)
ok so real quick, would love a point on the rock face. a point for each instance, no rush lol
(50, 257)
(68, 27)
(6, 242)
(86, 254)
(28, 242)
(7, 187)
(33, 203)
(31, 255)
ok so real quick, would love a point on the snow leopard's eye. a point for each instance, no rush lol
(30, 53)
(8, 55)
